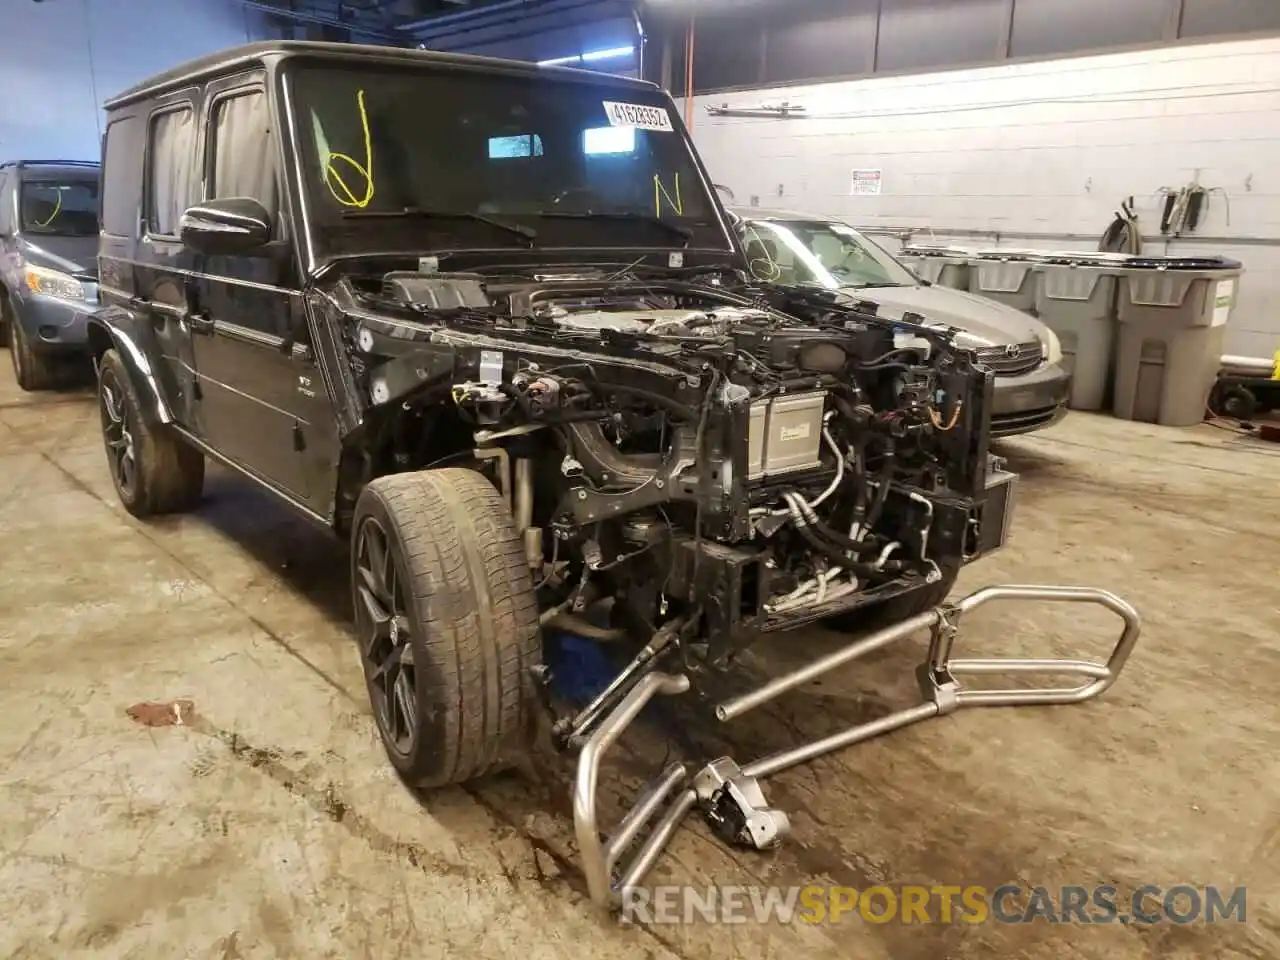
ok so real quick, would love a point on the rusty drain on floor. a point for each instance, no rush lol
(162, 713)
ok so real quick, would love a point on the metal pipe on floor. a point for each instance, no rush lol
(652, 848)
(785, 759)
(739, 705)
(1103, 676)
(595, 861)
(643, 811)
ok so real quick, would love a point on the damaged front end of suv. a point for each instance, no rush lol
(743, 461)
(690, 464)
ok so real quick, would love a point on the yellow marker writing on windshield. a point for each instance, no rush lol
(57, 207)
(348, 196)
(660, 191)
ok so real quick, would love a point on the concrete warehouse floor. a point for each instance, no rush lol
(273, 827)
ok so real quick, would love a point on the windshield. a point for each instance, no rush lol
(62, 207)
(433, 158)
(820, 252)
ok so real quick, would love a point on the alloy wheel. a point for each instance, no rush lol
(385, 631)
(119, 439)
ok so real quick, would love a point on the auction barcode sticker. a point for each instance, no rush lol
(637, 115)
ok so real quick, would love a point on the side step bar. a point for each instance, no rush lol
(731, 797)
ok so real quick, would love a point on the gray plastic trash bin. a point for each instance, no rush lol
(1173, 317)
(941, 266)
(1076, 299)
(1007, 276)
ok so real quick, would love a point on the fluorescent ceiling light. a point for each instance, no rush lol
(609, 54)
(590, 56)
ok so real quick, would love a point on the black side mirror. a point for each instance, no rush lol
(226, 227)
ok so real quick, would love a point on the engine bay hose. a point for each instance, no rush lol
(681, 410)
(844, 543)
(883, 483)
(833, 554)
(839, 539)
(826, 548)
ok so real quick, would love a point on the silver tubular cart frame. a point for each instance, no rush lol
(670, 797)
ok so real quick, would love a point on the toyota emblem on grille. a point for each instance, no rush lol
(1013, 351)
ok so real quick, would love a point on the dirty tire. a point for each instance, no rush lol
(456, 581)
(32, 369)
(167, 475)
(899, 608)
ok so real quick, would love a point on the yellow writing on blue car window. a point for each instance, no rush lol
(660, 193)
(343, 193)
(57, 208)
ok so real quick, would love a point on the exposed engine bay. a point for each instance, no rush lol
(746, 460)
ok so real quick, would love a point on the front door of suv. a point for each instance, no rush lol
(262, 400)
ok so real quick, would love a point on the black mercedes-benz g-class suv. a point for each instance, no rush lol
(489, 321)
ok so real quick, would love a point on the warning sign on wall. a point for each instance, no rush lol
(866, 183)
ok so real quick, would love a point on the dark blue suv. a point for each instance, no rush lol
(48, 263)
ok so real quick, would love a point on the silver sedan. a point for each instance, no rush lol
(1025, 355)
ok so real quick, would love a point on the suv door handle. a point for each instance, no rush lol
(200, 323)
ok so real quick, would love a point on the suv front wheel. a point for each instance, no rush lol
(447, 622)
(32, 369)
(153, 470)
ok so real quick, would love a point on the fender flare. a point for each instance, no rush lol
(105, 333)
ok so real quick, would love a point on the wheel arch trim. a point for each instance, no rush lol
(110, 328)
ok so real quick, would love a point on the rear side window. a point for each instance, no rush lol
(244, 152)
(122, 177)
(170, 169)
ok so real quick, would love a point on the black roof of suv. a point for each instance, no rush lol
(246, 55)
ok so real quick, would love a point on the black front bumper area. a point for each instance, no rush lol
(736, 584)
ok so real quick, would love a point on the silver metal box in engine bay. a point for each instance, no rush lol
(786, 434)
